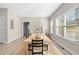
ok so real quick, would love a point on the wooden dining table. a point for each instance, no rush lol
(51, 48)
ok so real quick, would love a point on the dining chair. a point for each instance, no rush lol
(45, 47)
(37, 44)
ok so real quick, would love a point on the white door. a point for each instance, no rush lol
(1, 29)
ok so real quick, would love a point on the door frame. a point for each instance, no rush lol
(23, 27)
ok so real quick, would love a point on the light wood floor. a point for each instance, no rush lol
(18, 47)
(10, 48)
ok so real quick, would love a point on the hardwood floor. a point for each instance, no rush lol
(10, 48)
(18, 47)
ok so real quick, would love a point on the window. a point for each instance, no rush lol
(67, 25)
(60, 26)
(51, 27)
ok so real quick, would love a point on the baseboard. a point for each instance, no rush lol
(14, 39)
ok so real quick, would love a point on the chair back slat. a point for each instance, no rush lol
(37, 43)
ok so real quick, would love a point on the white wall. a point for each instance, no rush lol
(36, 22)
(15, 33)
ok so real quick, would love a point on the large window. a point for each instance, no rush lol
(60, 26)
(67, 25)
(51, 26)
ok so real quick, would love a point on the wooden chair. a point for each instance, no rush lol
(37, 44)
(45, 47)
(29, 47)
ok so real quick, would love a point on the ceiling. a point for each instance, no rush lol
(32, 9)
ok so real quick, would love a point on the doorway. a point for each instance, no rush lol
(26, 29)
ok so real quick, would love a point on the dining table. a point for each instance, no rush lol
(52, 50)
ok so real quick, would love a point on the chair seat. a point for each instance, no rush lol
(45, 47)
